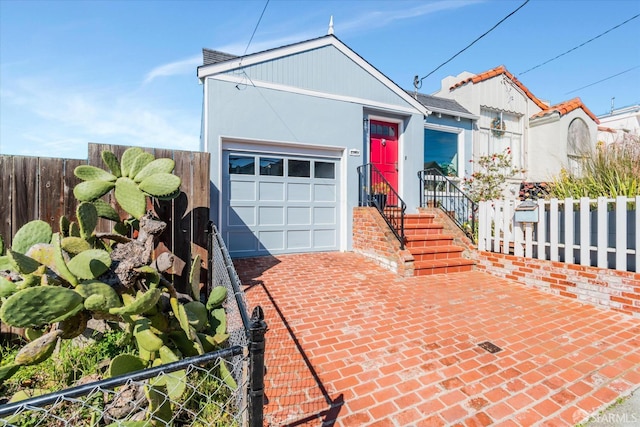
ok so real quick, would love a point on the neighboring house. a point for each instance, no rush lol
(287, 129)
(620, 125)
(542, 139)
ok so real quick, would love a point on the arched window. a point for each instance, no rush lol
(578, 144)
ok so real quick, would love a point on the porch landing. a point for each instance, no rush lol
(353, 344)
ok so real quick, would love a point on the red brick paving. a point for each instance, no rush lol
(352, 344)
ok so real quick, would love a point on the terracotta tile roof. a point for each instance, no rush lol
(562, 108)
(496, 72)
(566, 107)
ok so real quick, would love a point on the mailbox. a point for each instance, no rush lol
(527, 211)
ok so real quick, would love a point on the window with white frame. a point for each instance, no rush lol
(501, 131)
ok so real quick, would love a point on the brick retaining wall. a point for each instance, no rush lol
(601, 287)
(373, 238)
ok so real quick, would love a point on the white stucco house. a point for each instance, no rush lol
(542, 138)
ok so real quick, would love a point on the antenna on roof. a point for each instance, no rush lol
(330, 32)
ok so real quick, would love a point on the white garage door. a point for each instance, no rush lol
(277, 204)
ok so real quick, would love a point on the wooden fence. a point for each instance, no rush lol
(591, 232)
(42, 188)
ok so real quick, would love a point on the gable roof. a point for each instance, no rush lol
(235, 62)
(561, 108)
(565, 108)
(444, 105)
(500, 70)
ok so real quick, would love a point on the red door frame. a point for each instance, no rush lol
(383, 149)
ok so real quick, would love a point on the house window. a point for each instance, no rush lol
(324, 170)
(500, 132)
(242, 165)
(441, 151)
(299, 168)
(578, 144)
(271, 166)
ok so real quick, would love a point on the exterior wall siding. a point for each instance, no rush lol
(325, 70)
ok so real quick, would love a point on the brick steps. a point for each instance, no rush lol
(433, 250)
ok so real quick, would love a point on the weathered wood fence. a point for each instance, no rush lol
(42, 188)
(599, 232)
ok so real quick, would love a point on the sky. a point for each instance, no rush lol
(124, 72)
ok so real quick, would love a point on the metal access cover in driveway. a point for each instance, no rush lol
(278, 204)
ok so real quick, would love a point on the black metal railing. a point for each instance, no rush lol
(439, 191)
(376, 191)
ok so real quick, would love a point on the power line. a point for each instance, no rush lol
(256, 28)
(600, 81)
(579, 46)
(417, 82)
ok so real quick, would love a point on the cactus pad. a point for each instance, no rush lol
(7, 287)
(216, 297)
(130, 198)
(160, 184)
(141, 304)
(105, 210)
(75, 245)
(22, 263)
(43, 253)
(87, 191)
(139, 163)
(127, 159)
(145, 337)
(218, 321)
(111, 161)
(1, 246)
(92, 173)
(194, 277)
(7, 371)
(157, 166)
(125, 363)
(98, 296)
(87, 215)
(89, 264)
(61, 266)
(226, 375)
(74, 325)
(40, 305)
(29, 234)
(176, 382)
(38, 350)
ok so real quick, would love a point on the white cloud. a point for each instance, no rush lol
(61, 120)
(183, 66)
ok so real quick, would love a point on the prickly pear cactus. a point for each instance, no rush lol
(53, 284)
(135, 177)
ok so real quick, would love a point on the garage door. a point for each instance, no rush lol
(276, 204)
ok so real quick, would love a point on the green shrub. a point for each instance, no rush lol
(609, 171)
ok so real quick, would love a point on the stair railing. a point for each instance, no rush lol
(438, 191)
(376, 191)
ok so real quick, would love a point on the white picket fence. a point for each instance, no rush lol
(592, 232)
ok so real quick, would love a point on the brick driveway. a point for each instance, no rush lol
(352, 344)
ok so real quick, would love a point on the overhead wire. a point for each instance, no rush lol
(417, 82)
(256, 27)
(605, 79)
(580, 45)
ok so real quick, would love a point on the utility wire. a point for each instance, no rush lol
(600, 81)
(419, 82)
(579, 46)
(256, 28)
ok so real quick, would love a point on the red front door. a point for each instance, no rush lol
(383, 149)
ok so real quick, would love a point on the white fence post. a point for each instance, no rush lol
(568, 230)
(497, 224)
(637, 205)
(621, 233)
(483, 220)
(507, 217)
(541, 230)
(603, 233)
(553, 230)
(585, 232)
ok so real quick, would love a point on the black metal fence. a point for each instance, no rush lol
(376, 191)
(438, 191)
(220, 388)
